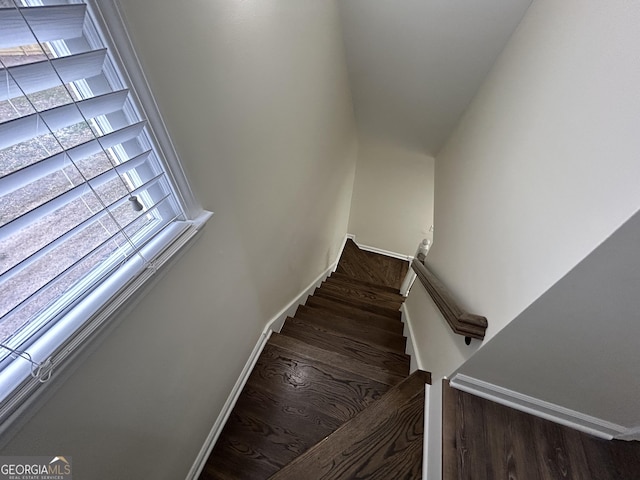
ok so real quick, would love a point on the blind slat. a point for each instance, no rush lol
(109, 140)
(14, 270)
(27, 175)
(47, 166)
(51, 245)
(60, 201)
(111, 265)
(31, 216)
(24, 128)
(76, 153)
(38, 76)
(54, 22)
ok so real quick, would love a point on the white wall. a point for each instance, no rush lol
(577, 345)
(256, 97)
(544, 164)
(541, 169)
(392, 204)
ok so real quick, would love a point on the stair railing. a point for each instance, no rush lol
(460, 321)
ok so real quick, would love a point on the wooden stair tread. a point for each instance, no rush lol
(344, 310)
(287, 413)
(301, 371)
(335, 342)
(384, 441)
(391, 310)
(360, 295)
(229, 465)
(392, 327)
(358, 330)
(304, 350)
(349, 283)
(256, 443)
(267, 441)
(366, 306)
(338, 275)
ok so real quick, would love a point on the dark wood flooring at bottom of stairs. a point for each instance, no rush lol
(372, 267)
(483, 440)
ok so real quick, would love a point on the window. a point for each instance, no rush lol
(92, 200)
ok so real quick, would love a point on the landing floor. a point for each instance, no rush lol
(372, 267)
(487, 441)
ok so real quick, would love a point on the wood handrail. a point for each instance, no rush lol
(460, 321)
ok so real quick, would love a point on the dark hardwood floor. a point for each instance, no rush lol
(334, 383)
(371, 267)
(483, 440)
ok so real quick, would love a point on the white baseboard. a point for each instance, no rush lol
(416, 364)
(535, 406)
(388, 253)
(344, 242)
(630, 434)
(425, 432)
(412, 347)
(274, 325)
(408, 282)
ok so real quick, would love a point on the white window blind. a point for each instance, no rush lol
(88, 207)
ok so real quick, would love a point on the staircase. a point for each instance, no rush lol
(330, 396)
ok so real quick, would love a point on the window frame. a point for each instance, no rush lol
(87, 322)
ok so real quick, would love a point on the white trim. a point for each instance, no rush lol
(425, 431)
(407, 283)
(412, 347)
(388, 253)
(416, 364)
(630, 434)
(344, 242)
(274, 325)
(535, 406)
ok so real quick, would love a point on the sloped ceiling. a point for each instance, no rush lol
(414, 65)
